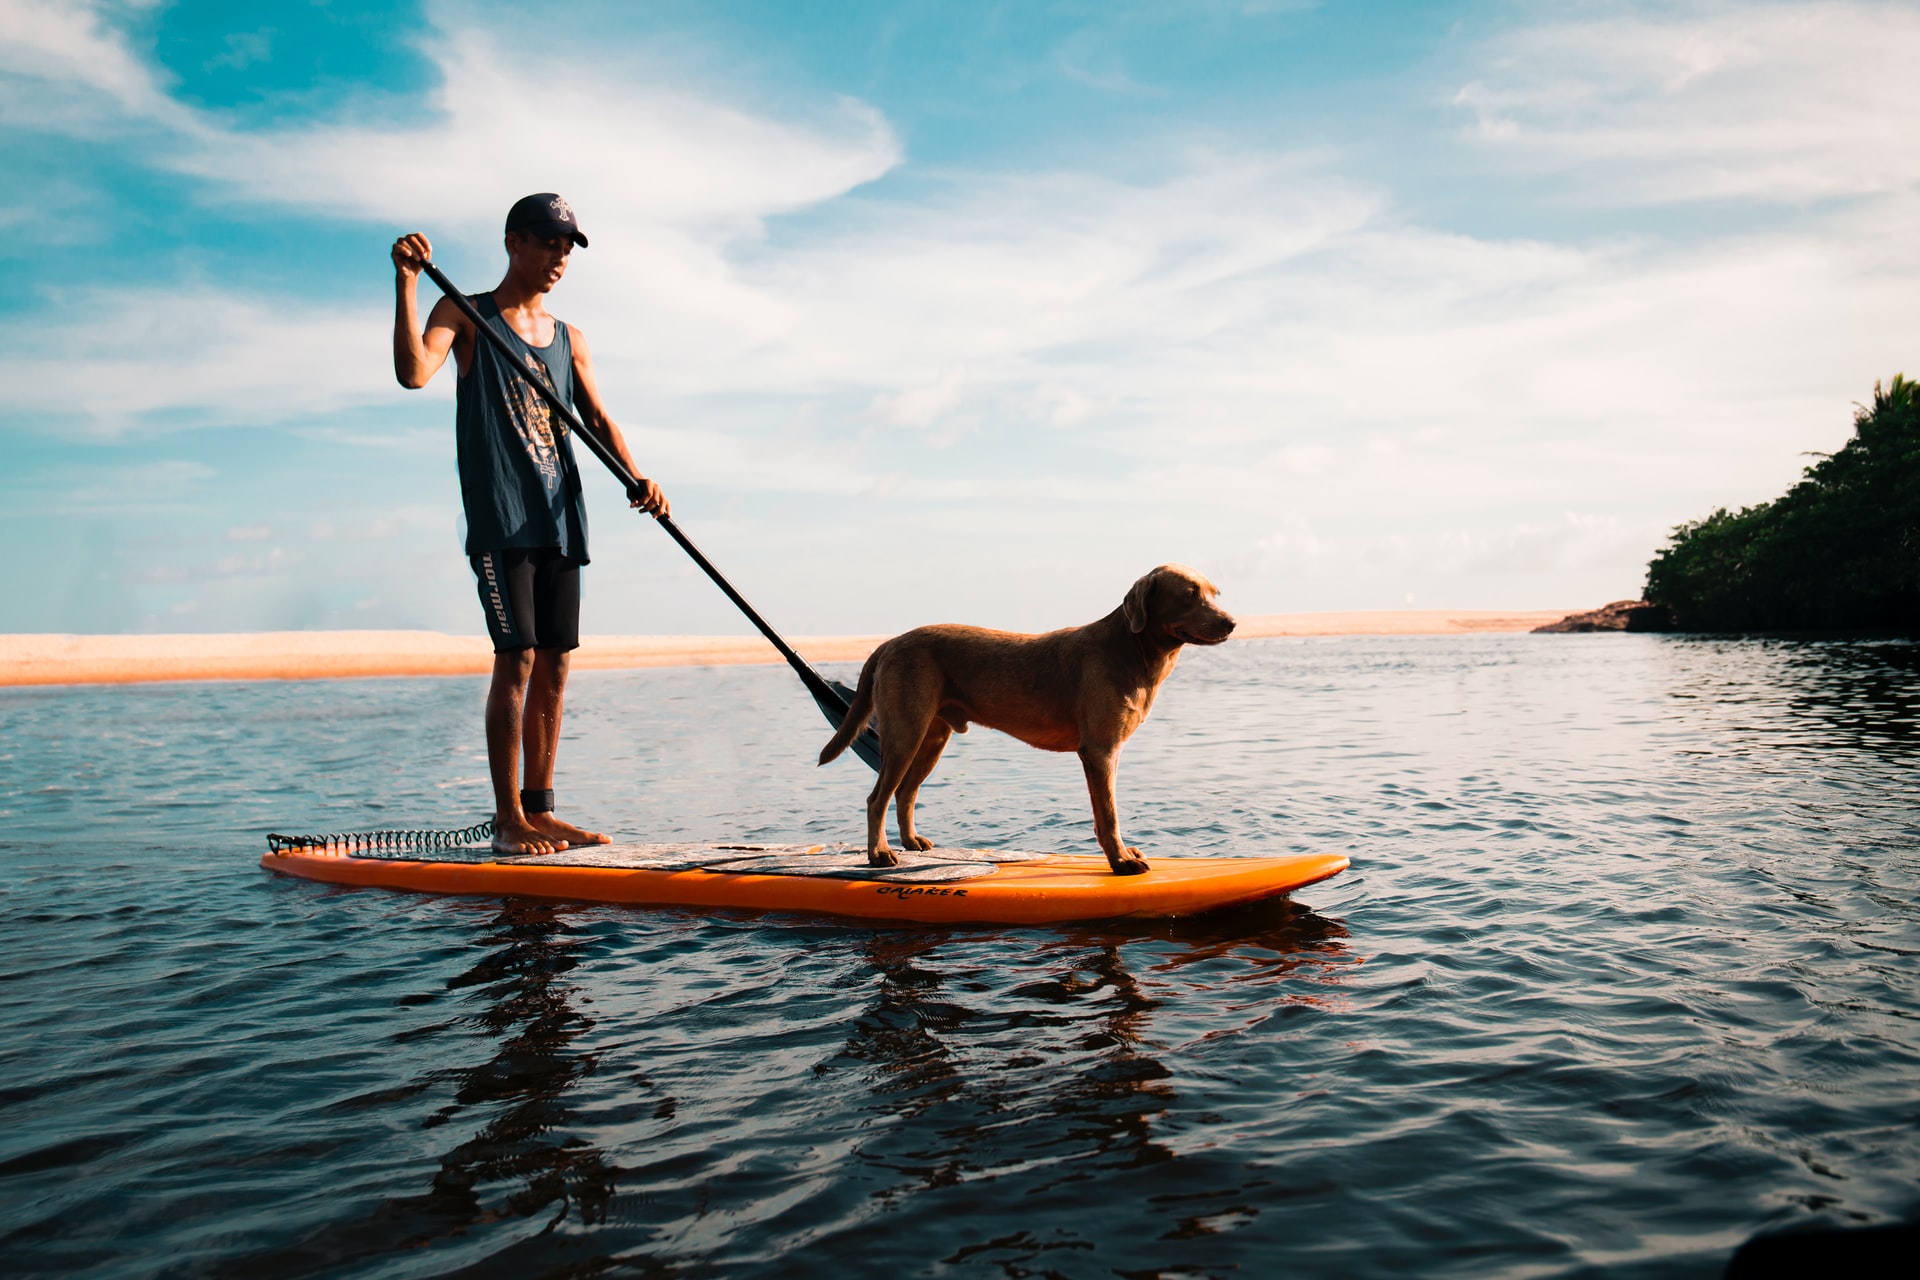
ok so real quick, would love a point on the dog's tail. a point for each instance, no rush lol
(857, 715)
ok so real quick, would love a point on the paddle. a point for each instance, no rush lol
(833, 697)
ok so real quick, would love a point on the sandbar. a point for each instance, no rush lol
(321, 655)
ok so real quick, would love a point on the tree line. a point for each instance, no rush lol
(1838, 551)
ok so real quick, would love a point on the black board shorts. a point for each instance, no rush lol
(531, 597)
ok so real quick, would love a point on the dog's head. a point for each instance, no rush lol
(1178, 602)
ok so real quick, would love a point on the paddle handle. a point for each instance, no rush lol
(823, 692)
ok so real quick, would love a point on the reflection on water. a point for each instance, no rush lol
(1029, 1070)
(1838, 695)
(1621, 975)
(530, 1011)
(1071, 1043)
(523, 1161)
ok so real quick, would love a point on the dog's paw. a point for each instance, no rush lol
(1131, 865)
(882, 858)
(919, 844)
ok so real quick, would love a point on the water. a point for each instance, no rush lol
(1623, 973)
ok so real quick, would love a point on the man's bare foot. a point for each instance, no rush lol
(564, 834)
(517, 838)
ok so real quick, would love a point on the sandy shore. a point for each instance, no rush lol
(320, 655)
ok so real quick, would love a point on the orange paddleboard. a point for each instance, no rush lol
(985, 886)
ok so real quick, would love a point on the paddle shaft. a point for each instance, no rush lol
(823, 693)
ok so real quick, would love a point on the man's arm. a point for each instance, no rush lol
(586, 398)
(418, 354)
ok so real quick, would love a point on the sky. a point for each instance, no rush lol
(928, 311)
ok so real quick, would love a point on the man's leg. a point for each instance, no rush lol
(505, 579)
(506, 701)
(555, 600)
(546, 694)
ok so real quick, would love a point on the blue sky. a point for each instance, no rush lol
(946, 311)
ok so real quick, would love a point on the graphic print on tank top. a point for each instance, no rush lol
(534, 416)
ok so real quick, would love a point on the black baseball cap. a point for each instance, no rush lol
(547, 216)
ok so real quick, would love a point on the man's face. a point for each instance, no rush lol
(539, 261)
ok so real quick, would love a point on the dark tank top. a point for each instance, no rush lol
(518, 479)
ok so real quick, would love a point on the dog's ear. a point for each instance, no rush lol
(1134, 607)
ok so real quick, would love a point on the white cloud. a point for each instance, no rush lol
(1057, 406)
(268, 564)
(139, 486)
(115, 355)
(633, 155)
(374, 529)
(63, 67)
(1294, 546)
(1601, 552)
(1069, 267)
(925, 405)
(641, 154)
(669, 183)
(1786, 102)
(1316, 338)
(244, 48)
(1576, 541)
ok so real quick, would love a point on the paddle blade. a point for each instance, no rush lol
(834, 699)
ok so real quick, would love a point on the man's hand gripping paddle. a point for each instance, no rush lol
(833, 697)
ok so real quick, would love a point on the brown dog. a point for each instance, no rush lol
(1083, 689)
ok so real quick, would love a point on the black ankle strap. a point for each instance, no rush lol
(532, 801)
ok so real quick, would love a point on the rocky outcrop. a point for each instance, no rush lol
(1621, 615)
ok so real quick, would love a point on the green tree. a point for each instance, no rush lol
(1838, 551)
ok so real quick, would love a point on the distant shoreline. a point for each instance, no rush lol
(324, 655)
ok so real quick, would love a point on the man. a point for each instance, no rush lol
(526, 525)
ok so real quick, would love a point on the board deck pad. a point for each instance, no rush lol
(843, 861)
(923, 868)
(949, 885)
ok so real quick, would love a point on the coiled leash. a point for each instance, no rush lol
(383, 841)
(532, 800)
